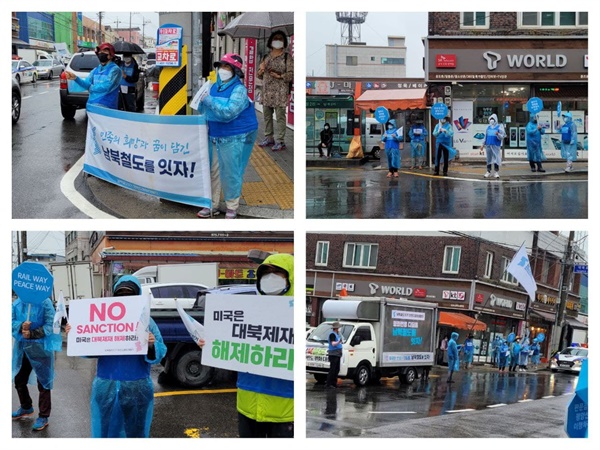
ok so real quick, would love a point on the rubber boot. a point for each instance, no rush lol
(539, 167)
(532, 165)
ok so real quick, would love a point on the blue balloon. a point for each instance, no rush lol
(511, 337)
(382, 115)
(439, 110)
(540, 337)
(535, 105)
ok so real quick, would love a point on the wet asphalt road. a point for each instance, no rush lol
(361, 193)
(351, 411)
(178, 412)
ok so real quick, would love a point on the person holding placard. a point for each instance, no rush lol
(32, 330)
(494, 136)
(392, 148)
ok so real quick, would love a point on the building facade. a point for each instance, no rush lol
(465, 274)
(485, 63)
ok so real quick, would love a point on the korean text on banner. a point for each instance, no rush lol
(252, 334)
(520, 268)
(164, 156)
(109, 326)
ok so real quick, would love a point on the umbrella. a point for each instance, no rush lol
(260, 24)
(127, 47)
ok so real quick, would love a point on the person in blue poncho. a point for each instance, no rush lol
(535, 353)
(503, 356)
(122, 398)
(469, 349)
(453, 361)
(534, 131)
(494, 136)
(418, 140)
(443, 133)
(33, 351)
(392, 148)
(232, 129)
(104, 80)
(524, 355)
(515, 351)
(568, 141)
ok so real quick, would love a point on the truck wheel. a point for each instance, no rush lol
(409, 376)
(362, 376)
(68, 112)
(190, 372)
(320, 377)
(375, 152)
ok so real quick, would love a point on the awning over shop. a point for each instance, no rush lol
(576, 323)
(392, 99)
(548, 317)
(460, 321)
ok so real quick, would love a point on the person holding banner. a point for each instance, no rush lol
(443, 140)
(568, 141)
(494, 136)
(122, 398)
(535, 154)
(104, 80)
(32, 330)
(232, 129)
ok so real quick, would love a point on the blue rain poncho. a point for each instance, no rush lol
(444, 139)
(469, 349)
(568, 141)
(232, 129)
(534, 140)
(392, 145)
(39, 351)
(122, 398)
(494, 136)
(417, 134)
(453, 364)
(103, 83)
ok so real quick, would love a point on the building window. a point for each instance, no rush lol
(322, 253)
(553, 19)
(372, 58)
(474, 20)
(392, 61)
(506, 276)
(352, 60)
(489, 263)
(360, 255)
(451, 259)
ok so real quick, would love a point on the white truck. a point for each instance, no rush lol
(382, 337)
(202, 273)
(75, 280)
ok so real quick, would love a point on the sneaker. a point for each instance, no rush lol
(487, 175)
(205, 213)
(496, 175)
(267, 142)
(19, 413)
(40, 423)
(568, 169)
(231, 214)
(279, 146)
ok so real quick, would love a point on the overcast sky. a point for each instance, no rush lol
(323, 29)
(122, 20)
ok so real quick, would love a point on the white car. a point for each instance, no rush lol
(164, 294)
(24, 71)
(569, 359)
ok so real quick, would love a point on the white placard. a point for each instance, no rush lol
(249, 333)
(109, 326)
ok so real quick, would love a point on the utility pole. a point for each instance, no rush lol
(23, 249)
(100, 15)
(565, 280)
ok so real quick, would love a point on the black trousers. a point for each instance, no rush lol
(21, 378)
(250, 428)
(334, 369)
(441, 151)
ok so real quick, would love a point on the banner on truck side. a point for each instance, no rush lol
(109, 326)
(163, 156)
(249, 333)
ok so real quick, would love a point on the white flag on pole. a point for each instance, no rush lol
(61, 312)
(195, 328)
(520, 269)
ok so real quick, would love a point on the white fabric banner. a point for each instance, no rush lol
(520, 268)
(109, 326)
(249, 333)
(164, 156)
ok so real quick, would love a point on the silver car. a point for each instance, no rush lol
(569, 359)
(48, 68)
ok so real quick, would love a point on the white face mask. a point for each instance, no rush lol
(273, 284)
(277, 44)
(127, 59)
(492, 122)
(225, 74)
(390, 127)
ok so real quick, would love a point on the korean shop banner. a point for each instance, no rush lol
(249, 333)
(164, 156)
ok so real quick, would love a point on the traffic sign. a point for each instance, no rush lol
(580, 268)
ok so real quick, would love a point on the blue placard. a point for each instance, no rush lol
(580, 268)
(576, 425)
(559, 108)
(382, 115)
(535, 105)
(511, 338)
(439, 111)
(32, 282)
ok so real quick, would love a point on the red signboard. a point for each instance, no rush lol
(445, 61)
(420, 293)
(479, 298)
(250, 78)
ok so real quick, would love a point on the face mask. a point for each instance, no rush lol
(390, 127)
(277, 44)
(443, 120)
(225, 74)
(127, 60)
(326, 127)
(492, 122)
(103, 57)
(273, 284)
